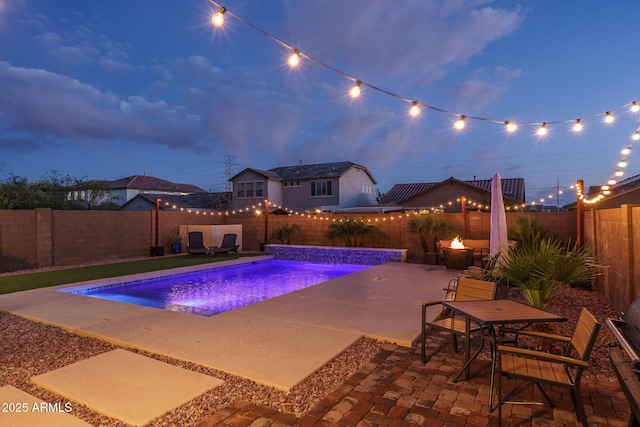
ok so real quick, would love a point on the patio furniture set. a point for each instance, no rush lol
(470, 307)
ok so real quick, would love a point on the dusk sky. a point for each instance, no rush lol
(108, 89)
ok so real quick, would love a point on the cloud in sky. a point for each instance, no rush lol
(168, 87)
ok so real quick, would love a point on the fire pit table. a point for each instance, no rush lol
(458, 259)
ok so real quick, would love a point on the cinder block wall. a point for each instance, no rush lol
(43, 237)
(615, 235)
(18, 240)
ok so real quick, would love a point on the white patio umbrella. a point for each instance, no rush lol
(498, 241)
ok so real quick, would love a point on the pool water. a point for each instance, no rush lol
(213, 291)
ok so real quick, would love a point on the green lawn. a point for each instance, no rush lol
(23, 282)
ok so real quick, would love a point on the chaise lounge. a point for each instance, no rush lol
(228, 245)
(196, 243)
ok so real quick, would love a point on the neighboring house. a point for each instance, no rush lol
(127, 188)
(625, 192)
(305, 188)
(445, 195)
(201, 201)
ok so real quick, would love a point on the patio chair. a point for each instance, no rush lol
(196, 244)
(466, 290)
(551, 369)
(228, 245)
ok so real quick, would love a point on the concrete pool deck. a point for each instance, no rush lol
(278, 342)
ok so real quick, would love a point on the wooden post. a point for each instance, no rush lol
(463, 203)
(157, 220)
(580, 214)
(266, 221)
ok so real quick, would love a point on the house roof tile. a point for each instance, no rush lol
(150, 183)
(400, 193)
(307, 172)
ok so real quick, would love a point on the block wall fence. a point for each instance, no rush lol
(45, 237)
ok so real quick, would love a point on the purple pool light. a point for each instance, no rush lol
(214, 291)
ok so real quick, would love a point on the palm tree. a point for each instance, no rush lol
(539, 266)
(352, 232)
(431, 227)
(283, 232)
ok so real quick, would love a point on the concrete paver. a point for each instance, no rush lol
(20, 409)
(127, 386)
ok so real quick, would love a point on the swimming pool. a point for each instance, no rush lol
(213, 291)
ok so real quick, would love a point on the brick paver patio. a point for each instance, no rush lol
(396, 389)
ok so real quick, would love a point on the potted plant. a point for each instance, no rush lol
(176, 243)
(430, 228)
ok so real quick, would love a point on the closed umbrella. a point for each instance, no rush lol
(498, 242)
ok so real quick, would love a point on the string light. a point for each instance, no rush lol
(608, 118)
(294, 58)
(217, 19)
(294, 61)
(355, 90)
(542, 130)
(459, 124)
(625, 151)
(578, 126)
(622, 164)
(414, 111)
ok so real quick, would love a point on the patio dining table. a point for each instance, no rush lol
(489, 314)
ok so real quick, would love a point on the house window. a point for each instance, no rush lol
(250, 189)
(321, 188)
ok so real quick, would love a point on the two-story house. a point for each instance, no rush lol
(305, 188)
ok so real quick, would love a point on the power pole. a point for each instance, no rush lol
(557, 194)
(228, 166)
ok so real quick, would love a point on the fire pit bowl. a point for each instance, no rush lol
(458, 259)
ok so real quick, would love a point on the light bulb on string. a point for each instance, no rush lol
(618, 173)
(294, 58)
(414, 111)
(355, 90)
(611, 181)
(577, 127)
(636, 136)
(635, 107)
(542, 130)
(622, 164)
(510, 127)
(217, 19)
(608, 118)
(459, 124)
(625, 151)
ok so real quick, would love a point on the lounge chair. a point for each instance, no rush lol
(196, 244)
(228, 245)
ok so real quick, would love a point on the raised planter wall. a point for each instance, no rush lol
(336, 255)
